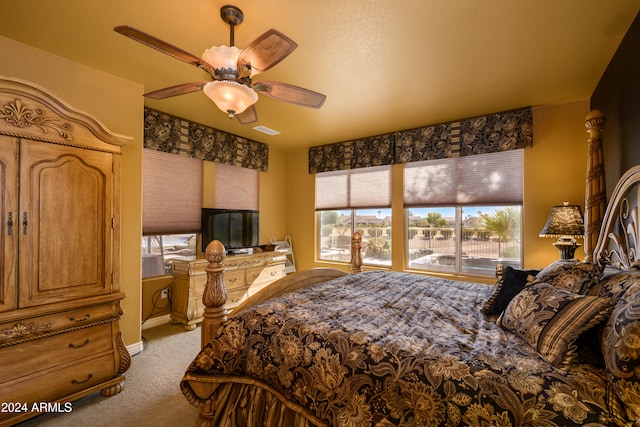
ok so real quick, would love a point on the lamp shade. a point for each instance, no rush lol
(565, 220)
(223, 58)
(231, 97)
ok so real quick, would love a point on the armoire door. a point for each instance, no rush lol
(66, 223)
(9, 223)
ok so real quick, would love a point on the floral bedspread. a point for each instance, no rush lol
(396, 349)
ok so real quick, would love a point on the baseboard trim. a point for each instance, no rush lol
(136, 348)
(156, 321)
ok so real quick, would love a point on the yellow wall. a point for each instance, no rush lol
(273, 198)
(554, 171)
(118, 104)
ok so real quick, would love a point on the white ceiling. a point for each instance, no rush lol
(384, 65)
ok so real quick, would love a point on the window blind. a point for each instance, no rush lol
(494, 178)
(355, 188)
(172, 193)
(235, 187)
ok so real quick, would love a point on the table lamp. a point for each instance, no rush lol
(564, 222)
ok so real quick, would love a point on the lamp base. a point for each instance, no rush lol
(566, 248)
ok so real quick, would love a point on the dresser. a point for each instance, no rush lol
(244, 276)
(60, 242)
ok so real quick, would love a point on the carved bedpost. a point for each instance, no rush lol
(215, 292)
(595, 191)
(356, 255)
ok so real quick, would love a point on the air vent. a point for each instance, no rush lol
(266, 130)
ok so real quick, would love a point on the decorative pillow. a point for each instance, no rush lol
(621, 350)
(550, 319)
(614, 283)
(577, 277)
(510, 282)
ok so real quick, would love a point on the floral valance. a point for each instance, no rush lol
(486, 134)
(164, 132)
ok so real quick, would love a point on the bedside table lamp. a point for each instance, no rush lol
(564, 222)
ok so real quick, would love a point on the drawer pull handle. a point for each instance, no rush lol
(25, 223)
(10, 224)
(273, 273)
(85, 318)
(232, 280)
(82, 381)
(87, 341)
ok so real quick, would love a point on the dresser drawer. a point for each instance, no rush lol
(34, 356)
(234, 279)
(236, 296)
(55, 384)
(34, 327)
(262, 275)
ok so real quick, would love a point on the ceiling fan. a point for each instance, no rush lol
(232, 70)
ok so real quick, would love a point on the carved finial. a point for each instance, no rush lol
(215, 252)
(594, 122)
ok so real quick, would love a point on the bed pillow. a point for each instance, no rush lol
(510, 282)
(577, 277)
(614, 282)
(551, 319)
(621, 351)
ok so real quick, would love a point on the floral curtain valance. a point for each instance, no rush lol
(486, 134)
(164, 132)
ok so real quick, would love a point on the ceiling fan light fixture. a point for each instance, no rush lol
(231, 97)
(224, 60)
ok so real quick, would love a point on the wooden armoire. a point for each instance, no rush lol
(60, 241)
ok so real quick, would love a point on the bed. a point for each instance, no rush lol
(553, 347)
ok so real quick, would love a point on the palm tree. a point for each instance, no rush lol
(433, 220)
(505, 224)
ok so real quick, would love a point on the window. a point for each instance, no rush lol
(158, 251)
(463, 214)
(172, 196)
(354, 200)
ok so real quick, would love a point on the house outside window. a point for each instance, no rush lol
(350, 201)
(463, 215)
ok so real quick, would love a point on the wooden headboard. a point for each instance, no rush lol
(618, 241)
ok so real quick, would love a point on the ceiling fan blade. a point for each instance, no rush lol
(266, 51)
(248, 116)
(161, 45)
(289, 93)
(176, 90)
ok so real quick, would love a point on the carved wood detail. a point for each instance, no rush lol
(620, 233)
(21, 116)
(60, 307)
(595, 191)
(356, 254)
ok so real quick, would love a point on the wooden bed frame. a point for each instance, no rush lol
(603, 242)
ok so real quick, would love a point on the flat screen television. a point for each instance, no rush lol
(235, 229)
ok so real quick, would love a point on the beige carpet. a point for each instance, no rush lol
(151, 396)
